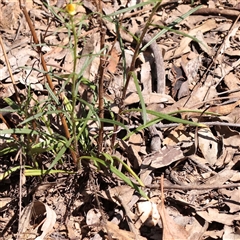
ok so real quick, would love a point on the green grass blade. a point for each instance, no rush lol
(174, 119)
(40, 172)
(25, 131)
(161, 116)
(144, 112)
(52, 94)
(117, 173)
(130, 171)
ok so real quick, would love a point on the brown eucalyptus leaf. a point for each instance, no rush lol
(164, 157)
(213, 215)
(224, 109)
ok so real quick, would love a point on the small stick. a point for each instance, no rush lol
(193, 187)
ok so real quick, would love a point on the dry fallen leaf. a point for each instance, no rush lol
(213, 215)
(208, 145)
(191, 68)
(93, 217)
(148, 213)
(113, 61)
(121, 234)
(40, 214)
(230, 233)
(221, 177)
(234, 199)
(163, 158)
(224, 109)
(206, 26)
(49, 222)
(178, 134)
(171, 230)
(3, 203)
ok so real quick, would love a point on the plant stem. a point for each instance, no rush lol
(101, 71)
(74, 91)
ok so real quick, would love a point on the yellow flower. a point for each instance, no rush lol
(71, 9)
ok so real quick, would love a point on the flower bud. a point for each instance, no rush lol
(71, 9)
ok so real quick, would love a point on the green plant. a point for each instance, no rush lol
(35, 134)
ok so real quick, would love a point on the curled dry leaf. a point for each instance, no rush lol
(125, 191)
(31, 81)
(113, 61)
(9, 15)
(163, 158)
(178, 134)
(221, 177)
(224, 109)
(149, 214)
(145, 78)
(159, 159)
(49, 220)
(234, 199)
(37, 213)
(231, 137)
(3, 203)
(204, 46)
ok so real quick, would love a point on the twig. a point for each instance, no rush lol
(193, 187)
(228, 13)
(206, 123)
(95, 189)
(215, 99)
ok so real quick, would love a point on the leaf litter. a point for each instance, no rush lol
(200, 194)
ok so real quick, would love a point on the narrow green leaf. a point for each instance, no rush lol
(40, 172)
(130, 171)
(144, 113)
(117, 173)
(52, 94)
